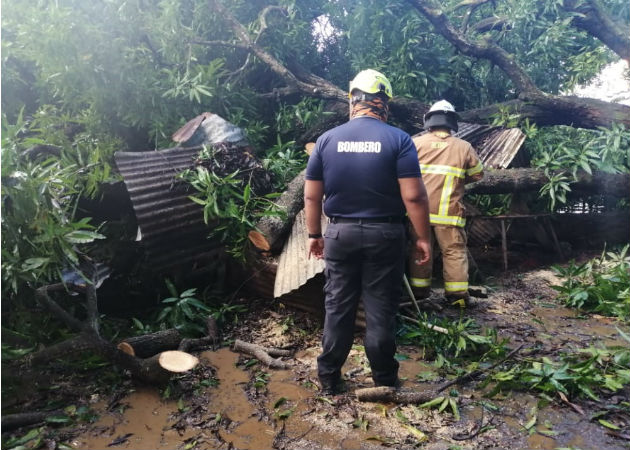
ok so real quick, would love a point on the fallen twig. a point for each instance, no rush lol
(478, 372)
(261, 353)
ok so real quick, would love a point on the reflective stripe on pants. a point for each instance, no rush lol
(452, 243)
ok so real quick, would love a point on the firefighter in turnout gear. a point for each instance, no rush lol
(447, 164)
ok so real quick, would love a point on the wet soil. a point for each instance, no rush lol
(230, 401)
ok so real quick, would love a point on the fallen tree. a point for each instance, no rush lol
(272, 230)
(522, 180)
(531, 102)
(153, 369)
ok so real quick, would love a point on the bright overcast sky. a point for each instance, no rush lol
(610, 85)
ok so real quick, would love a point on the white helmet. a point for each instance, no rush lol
(441, 114)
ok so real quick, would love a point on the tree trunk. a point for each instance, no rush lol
(271, 231)
(150, 344)
(521, 180)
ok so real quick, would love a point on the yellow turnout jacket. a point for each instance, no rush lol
(447, 164)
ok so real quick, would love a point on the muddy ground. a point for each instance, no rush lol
(230, 401)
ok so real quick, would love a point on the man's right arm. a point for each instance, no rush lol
(414, 196)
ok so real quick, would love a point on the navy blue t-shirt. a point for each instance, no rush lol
(360, 163)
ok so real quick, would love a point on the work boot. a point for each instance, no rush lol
(330, 388)
(396, 384)
(421, 292)
(455, 299)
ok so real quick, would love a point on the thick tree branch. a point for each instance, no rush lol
(484, 50)
(42, 296)
(555, 110)
(542, 108)
(591, 17)
(492, 23)
(323, 89)
(220, 44)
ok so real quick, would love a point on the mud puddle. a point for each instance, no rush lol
(231, 401)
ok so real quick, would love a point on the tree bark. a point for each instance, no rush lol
(522, 180)
(385, 394)
(150, 344)
(271, 230)
(591, 17)
(13, 421)
(550, 110)
(261, 353)
(538, 106)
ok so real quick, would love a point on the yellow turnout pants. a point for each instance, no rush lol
(452, 243)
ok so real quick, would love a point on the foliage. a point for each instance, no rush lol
(188, 313)
(42, 231)
(184, 311)
(562, 151)
(443, 402)
(600, 285)
(231, 204)
(491, 205)
(284, 161)
(585, 373)
(464, 337)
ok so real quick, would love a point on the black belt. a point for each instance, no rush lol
(391, 219)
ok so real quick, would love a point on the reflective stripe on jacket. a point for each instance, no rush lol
(447, 164)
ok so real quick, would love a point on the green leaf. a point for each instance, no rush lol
(607, 424)
(82, 236)
(58, 419)
(436, 401)
(419, 435)
(34, 263)
(281, 401)
(531, 422)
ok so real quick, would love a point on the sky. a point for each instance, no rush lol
(610, 85)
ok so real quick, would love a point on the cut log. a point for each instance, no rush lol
(150, 344)
(271, 231)
(522, 180)
(259, 352)
(176, 361)
(386, 394)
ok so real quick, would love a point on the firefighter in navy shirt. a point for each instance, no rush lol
(369, 175)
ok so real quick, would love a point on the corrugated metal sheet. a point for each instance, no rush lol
(500, 147)
(171, 226)
(497, 147)
(294, 267)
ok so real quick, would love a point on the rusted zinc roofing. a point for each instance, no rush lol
(171, 226)
(497, 147)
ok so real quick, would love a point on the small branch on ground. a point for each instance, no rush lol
(262, 354)
(386, 394)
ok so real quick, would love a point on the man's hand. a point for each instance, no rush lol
(316, 248)
(424, 249)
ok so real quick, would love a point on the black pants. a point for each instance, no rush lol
(362, 261)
